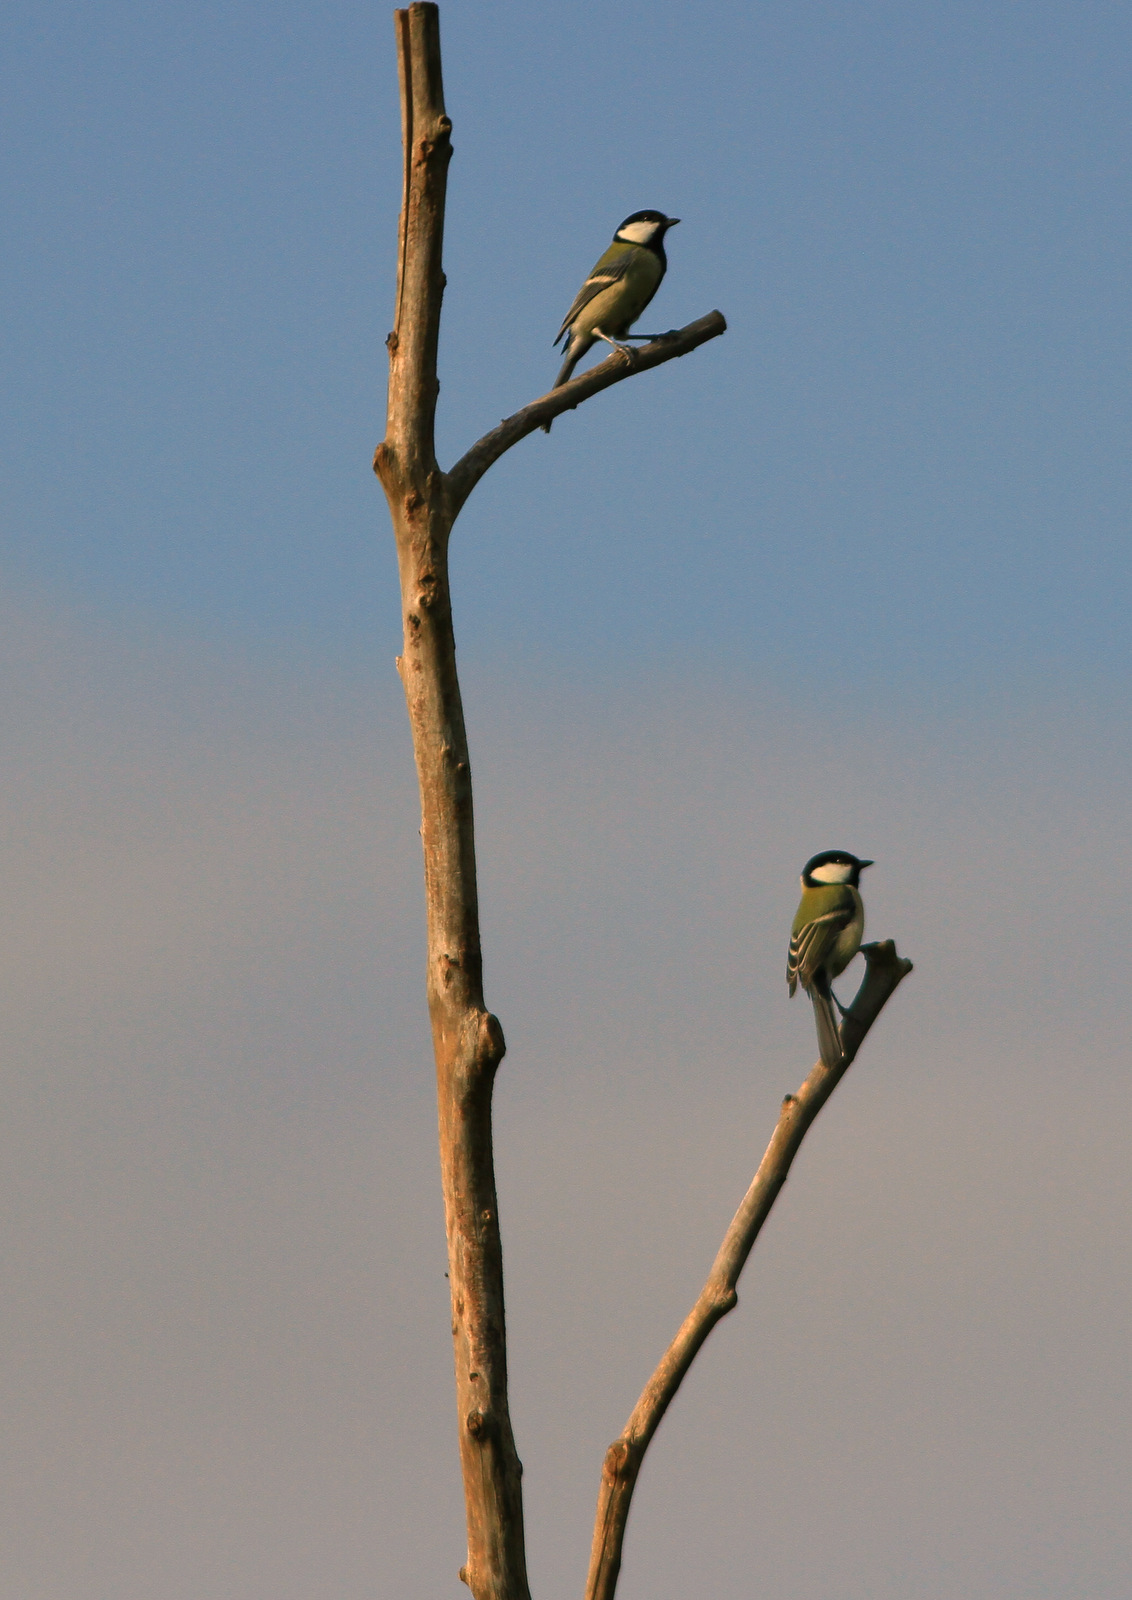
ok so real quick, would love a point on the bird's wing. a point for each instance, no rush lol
(613, 266)
(811, 944)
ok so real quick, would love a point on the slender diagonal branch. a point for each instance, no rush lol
(621, 364)
(884, 970)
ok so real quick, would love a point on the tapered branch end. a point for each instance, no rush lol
(884, 971)
(882, 953)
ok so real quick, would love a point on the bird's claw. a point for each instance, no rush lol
(625, 349)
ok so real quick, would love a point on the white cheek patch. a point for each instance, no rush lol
(833, 872)
(639, 232)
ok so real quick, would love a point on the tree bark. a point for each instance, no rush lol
(467, 1039)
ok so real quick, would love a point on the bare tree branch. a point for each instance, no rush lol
(426, 131)
(622, 363)
(884, 970)
(467, 1039)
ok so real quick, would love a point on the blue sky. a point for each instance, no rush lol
(855, 574)
(913, 218)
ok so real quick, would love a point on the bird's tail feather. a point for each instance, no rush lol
(575, 350)
(829, 1035)
(566, 370)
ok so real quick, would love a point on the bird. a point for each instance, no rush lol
(827, 933)
(618, 289)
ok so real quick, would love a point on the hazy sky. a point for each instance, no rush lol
(855, 574)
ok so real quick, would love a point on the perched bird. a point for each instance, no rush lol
(617, 290)
(826, 935)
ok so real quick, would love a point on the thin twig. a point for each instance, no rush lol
(470, 468)
(884, 970)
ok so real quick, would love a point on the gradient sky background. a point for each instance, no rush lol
(855, 574)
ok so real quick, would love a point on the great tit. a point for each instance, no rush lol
(617, 290)
(826, 935)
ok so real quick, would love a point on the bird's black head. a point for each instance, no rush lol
(647, 228)
(833, 866)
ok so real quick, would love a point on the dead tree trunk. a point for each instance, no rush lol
(467, 1039)
(468, 1043)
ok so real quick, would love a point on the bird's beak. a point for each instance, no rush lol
(672, 221)
(861, 865)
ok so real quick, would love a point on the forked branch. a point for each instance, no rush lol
(884, 970)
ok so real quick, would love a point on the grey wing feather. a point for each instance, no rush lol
(594, 284)
(811, 944)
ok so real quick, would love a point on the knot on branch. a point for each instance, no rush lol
(491, 1046)
(618, 1464)
(476, 1052)
(477, 1423)
(438, 143)
(383, 460)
